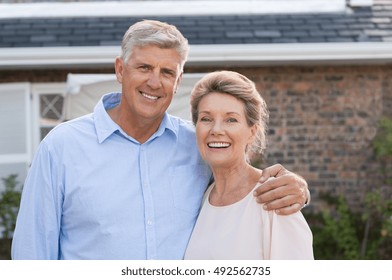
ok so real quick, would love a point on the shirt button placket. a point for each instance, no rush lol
(148, 205)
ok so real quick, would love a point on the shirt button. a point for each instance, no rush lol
(149, 222)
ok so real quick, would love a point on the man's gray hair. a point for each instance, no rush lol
(152, 32)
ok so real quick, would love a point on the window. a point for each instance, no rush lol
(51, 112)
(48, 101)
(15, 127)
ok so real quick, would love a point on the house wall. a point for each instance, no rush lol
(322, 121)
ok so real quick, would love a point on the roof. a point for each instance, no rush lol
(369, 24)
(82, 8)
(358, 27)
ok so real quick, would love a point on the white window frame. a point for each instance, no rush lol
(20, 157)
(25, 157)
(32, 92)
(38, 89)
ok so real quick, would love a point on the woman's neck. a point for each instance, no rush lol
(233, 184)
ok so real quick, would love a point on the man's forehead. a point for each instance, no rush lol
(152, 53)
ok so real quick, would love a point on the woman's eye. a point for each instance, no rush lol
(232, 120)
(204, 119)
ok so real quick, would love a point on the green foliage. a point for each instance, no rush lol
(382, 146)
(340, 234)
(382, 143)
(377, 241)
(335, 235)
(9, 205)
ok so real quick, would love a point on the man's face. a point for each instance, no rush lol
(149, 80)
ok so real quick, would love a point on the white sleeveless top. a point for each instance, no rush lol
(244, 230)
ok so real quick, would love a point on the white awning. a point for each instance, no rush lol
(84, 91)
(76, 81)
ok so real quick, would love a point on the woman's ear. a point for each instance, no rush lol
(253, 130)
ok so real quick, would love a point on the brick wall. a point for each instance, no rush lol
(322, 121)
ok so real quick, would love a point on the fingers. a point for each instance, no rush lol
(286, 194)
(273, 183)
(279, 198)
(289, 209)
(276, 170)
(285, 206)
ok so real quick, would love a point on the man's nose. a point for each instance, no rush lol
(154, 80)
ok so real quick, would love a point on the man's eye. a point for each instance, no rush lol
(144, 67)
(205, 119)
(169, 73)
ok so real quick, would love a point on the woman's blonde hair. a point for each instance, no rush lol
(242, 88)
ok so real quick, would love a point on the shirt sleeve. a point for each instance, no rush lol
(37, 228)
(287, 237)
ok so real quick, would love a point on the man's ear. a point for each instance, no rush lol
(119, 68)
(179, 79)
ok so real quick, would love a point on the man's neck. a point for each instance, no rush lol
(140, 129)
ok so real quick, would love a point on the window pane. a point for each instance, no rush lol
(51, 106)
(12, 121)
(51, 112)
(45, 130)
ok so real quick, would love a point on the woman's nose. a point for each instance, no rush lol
(216, 127)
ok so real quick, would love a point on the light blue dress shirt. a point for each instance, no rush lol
(93, 192)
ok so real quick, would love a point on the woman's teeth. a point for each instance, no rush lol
(218, 145)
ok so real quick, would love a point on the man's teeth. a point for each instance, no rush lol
(218, 145)
(149, 96)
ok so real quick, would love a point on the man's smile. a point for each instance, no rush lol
(151, 97)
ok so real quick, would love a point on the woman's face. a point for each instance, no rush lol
(222, 131)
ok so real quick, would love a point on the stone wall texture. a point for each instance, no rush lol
(322, 123)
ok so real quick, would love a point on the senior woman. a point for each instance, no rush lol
(231, 121)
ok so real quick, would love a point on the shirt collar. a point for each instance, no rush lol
(167, 123)
(105, 126)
